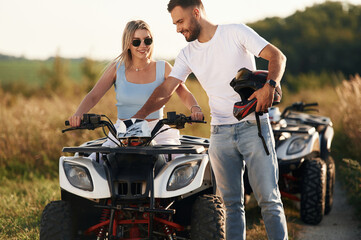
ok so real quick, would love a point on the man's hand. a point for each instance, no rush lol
(197, 113)
(264, 98)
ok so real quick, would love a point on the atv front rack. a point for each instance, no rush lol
(148, 150)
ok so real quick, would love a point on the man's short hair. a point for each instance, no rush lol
(185, 4)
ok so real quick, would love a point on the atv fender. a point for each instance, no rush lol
(97, 175)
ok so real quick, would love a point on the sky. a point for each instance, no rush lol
(39, 29)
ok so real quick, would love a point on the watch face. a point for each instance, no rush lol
(272, 83)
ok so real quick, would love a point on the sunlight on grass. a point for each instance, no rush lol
(21, 205)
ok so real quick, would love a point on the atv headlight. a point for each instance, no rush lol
(297, 145)
(182, 175)
(78, 176)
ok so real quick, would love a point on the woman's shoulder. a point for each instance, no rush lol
(164, 63)
(164, 66)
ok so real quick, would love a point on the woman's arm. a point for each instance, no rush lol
(93, 97)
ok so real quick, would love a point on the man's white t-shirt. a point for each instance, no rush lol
(216, 62)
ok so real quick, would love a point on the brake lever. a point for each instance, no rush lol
(86, 126)
(69, 129)
(311, 109)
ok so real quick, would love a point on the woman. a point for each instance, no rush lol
(135, 75)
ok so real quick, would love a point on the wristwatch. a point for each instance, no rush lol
(272, 83)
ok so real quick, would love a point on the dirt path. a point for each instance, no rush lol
(340, 224)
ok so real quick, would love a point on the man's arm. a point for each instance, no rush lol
(190, 102)
(159, 97)
(276, 68)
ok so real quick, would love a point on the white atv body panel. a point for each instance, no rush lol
(161, 180)
(313, 145)
(98, 177)
(100, 182)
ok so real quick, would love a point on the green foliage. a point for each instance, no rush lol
(350, 172)
(25, 77)
(29, 71)
(20, 70)
(57, 77)
(90, 70)
(324, 37)
(311, 80)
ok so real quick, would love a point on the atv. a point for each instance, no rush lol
(136, 190)
(306, 169)
(296, 114)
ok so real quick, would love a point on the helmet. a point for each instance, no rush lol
(133, 128)
(245, 84)
(274, 114)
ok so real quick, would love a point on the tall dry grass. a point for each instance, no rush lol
(350, 147)
(30, 132)
(349, 93)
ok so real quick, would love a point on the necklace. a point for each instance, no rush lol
(141, 69)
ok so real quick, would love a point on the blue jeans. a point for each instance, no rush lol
(233, 146)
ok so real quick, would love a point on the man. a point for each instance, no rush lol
(214, 54)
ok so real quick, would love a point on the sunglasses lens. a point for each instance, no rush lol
(136, 43)
(148, 41)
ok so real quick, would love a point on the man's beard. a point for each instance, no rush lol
(194, 30)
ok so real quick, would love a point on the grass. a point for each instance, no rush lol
(350, 173)
(21, 204)
(255, 226)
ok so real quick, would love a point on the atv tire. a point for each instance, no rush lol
(208, 218)
(331, 177)
(313, 191)
(56, 222)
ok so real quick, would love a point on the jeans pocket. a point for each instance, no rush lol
(250, 122)
(214, 129)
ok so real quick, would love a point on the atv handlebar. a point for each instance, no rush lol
(93, 121)
(299, 107)
(179, 120)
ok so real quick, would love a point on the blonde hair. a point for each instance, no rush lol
(128, 33)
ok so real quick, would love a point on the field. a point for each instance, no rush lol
(31, 71)
(31, 139)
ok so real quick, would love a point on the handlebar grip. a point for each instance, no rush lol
(189, 120)
(198, 121)
(311, 104)
(67, 123)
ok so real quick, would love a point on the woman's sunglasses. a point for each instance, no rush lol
(137, 42)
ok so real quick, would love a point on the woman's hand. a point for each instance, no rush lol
(74, 120)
